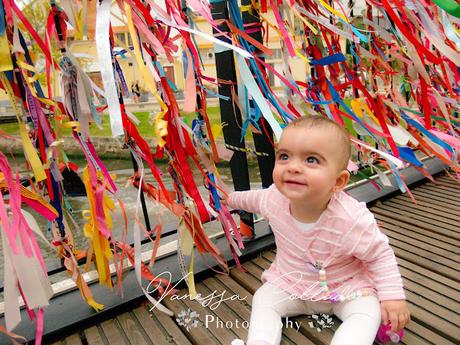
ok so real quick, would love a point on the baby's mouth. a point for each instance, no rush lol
(295, 183)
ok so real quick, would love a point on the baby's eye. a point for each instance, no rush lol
(312, 160)
(283, 157)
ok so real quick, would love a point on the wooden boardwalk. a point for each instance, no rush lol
(426, 241)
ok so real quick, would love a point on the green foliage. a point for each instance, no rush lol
(145, 128)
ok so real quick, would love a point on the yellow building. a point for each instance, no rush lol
(86, 53)
(174, 71)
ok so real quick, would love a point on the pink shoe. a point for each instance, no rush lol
(384, 334)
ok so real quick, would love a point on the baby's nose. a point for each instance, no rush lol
(294, 166)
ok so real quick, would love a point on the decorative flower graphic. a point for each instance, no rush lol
(188, 319)
(320, 321)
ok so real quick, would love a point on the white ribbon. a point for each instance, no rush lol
(104, 54)
(399, 163)
(137, 242)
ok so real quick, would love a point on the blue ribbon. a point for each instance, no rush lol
(407, 154)
(427, 133)
(336, 97)
(399, 181)
(379, 51)
(329, 60)
(2, 19)
(353, 52)
(212, 93)
(213, 191)
(235, 15)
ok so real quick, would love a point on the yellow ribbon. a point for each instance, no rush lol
(29, 149)
(358, 104)
(6, 64)
(100, 245)
(334, 11)
(160, 126)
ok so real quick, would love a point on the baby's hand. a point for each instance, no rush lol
(224, 200)
(396, 312)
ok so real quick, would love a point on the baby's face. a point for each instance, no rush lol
(307, 163)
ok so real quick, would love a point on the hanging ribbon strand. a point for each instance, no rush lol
(388, 72)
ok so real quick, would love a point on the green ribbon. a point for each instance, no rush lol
(450, 6)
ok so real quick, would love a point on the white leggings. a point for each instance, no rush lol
(360, 317)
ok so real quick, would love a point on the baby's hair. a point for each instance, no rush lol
(320, 121)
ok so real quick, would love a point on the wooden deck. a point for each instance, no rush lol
(426, 241)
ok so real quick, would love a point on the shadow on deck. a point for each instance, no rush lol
(426, 240)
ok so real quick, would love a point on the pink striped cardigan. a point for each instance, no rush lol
(345, 241)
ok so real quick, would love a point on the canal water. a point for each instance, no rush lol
(122, 170)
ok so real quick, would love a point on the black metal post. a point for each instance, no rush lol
(229, 113)
(262, 142)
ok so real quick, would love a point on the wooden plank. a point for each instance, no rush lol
(436, 195)
(435, 191)
(444, 241)
(197, 335)
(411, 339)
(154, 331)
(447, 186)
(242, 305)
(432, 208)
(421, 200)
(132, 328)
(423, 334)
(442, 189)
(434, 308)
(223, 334)
(248, 281)
(74, 339)
(166, 323)
(411, 224)
(414, 242)
(448, 181)
(224, 312)
(417, 220)
(430, 289)
(414, 267)
(427, 319)
(424, 215)
(269, 255)
(113, 333)
(431, 262)
(445, 218)
(434, 198)
(93, 336)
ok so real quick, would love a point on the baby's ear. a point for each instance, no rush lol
(341, 181)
